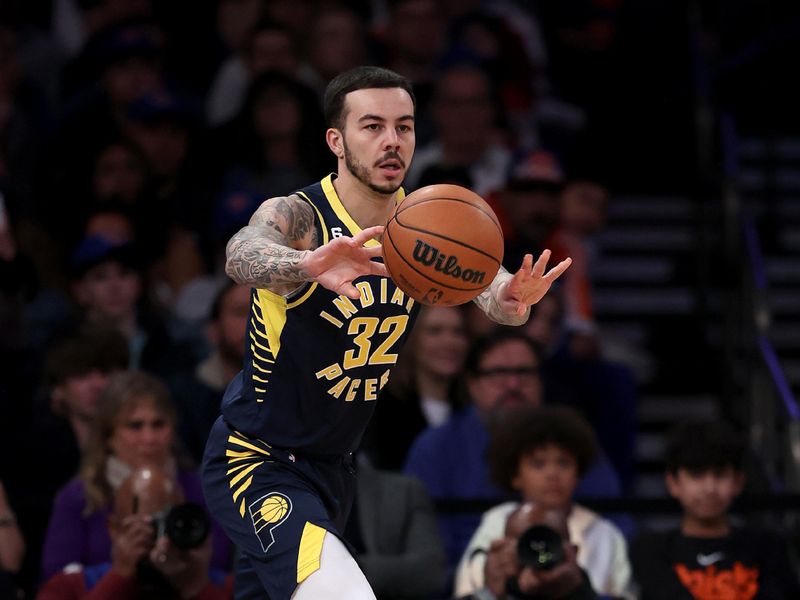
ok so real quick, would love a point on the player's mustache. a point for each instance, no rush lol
(391, 156)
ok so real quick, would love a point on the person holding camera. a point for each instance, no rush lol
(535, 559)
(160, 550)
(133, 427)
(541, 454)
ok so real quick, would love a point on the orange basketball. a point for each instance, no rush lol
(443, 245)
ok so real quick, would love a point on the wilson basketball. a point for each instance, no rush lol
(443, 245)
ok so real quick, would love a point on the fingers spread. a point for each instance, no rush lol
(541, 263)
(527, 262)
(556, 271)
(373, 252)
(377, 268)
(368, 234)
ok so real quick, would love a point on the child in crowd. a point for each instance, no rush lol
(708, 556)
(542, 454)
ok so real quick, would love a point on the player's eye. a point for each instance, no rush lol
(403, 128)
(373, 127)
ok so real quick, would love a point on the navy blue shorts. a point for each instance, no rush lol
(275, 506)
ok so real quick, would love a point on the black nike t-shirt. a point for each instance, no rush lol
(748, 564)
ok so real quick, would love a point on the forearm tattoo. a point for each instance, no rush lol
(268, 251)
(487, 301)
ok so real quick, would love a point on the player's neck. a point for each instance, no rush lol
(366, 206)
(706, 528)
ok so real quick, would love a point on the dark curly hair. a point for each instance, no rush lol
(704, 446)
(528, 429)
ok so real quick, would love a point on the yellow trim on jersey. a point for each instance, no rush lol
(242, 488)
(273, 309)
(240, 442)
(341, 211)
(325, 238)
(310, 550)
(239, 476)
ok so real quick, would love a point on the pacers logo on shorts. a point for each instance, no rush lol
(268, 512)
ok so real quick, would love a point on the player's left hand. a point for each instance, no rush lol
(529, 284)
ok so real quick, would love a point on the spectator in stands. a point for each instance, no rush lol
(426, 386)
(336, 43)
(76, 371)
(134, 427)
(197, 394)
(582, 213)
(107, 285)
(275, 148)
(12, 546)
(527, 203)
(542, 454)
(392, 528)
(475, 156)
(144, 561)
(503, 372)
(128, 59)
(710, 551)
(507, 578)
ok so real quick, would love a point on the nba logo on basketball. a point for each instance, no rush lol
(267, 513)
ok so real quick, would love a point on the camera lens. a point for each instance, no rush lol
(187, 525)
(541, 548)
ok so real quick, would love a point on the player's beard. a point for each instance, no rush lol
(360, 172)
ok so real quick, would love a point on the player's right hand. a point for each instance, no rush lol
(338, 263)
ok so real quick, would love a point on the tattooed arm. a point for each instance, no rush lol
(267, 252)
(279, 249)
(509, 298)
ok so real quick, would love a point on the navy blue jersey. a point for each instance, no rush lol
(316, 361)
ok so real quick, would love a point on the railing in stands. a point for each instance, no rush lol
(770, 408)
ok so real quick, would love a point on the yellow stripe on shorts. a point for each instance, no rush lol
(310, 551)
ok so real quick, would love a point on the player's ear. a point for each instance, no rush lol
(335, 140)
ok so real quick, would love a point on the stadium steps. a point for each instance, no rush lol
(648, 306)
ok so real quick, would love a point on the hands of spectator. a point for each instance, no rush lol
(134, 539)
(501, 564)
(555, 583)
(187, 570)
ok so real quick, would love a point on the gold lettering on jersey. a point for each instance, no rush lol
(331, 372)
(337, 390)
(370, 393)
(367, 299)
(345, 306)
(369, 387)
(373, 339)
(331, 319)
(351, 392)
(398, 297)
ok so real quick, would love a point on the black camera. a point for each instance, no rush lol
(186, 525)
(541, 548)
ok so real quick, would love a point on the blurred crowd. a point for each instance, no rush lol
(136, 136)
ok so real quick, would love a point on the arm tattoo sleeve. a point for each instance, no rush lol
(267, 252)
(487, 301)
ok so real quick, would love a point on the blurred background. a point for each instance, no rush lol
(654, 141)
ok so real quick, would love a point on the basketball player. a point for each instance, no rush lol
(326, 325)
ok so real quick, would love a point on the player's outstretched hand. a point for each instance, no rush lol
(336, 264)
(530, 283)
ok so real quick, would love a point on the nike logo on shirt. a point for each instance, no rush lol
(706, 560)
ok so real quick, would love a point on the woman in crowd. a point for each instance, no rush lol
(134, 427)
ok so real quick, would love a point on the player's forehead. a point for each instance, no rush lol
(391, 104)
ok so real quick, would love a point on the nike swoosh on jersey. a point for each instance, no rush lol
(706, 560)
